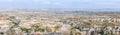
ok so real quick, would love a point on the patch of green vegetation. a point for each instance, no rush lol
(57, 27)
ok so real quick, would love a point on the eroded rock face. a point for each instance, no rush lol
(20, 22)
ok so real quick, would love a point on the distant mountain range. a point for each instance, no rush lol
(62, 10)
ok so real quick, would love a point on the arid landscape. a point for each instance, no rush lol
(46, 22)
(59, 17)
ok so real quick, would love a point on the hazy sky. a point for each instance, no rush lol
(96, 4)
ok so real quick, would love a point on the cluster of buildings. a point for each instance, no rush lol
(105, 20)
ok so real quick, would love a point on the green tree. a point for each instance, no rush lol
(57, 27)
(25, 30)
(102, 31)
